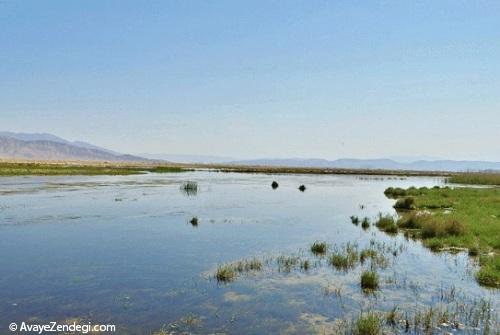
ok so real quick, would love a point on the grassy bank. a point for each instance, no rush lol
(67, 169)
(455, 218)
(476, 178)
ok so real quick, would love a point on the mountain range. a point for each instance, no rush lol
(50, 147)
(43, 146)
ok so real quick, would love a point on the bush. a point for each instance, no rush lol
(405, 203)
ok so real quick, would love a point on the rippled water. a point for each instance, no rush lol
(121, 250)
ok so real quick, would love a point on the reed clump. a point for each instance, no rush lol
(369, 280)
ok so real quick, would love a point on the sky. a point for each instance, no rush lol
(255, 79)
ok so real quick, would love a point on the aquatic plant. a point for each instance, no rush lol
(318, 248)
(345, 258)
(369, 324)
(190, 187)
(365, 224)
(386, 223)
(369, 280)
(194, 221)
(225, 273)
(248, 265)
(274, 185)
(354, 220)
(287, 263)
(302, 188)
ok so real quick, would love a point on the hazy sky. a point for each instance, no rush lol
(247, 79)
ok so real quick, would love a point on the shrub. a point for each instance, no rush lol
(405, 203)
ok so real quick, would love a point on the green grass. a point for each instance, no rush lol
(59, 169)
(368, 324)
(387, 223)
(475, 178)
(345, 258)
(318, 248)
(369, 280)
(460, 218)
(228, 272)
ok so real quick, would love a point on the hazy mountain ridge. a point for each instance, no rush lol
(50, 147)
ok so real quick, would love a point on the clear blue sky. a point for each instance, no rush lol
(247, 79)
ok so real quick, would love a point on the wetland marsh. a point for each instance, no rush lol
(205, 252)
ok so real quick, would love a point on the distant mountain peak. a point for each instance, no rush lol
(43, 146)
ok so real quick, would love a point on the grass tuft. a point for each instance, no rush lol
(369, 280)
(319, 248)
(369, 324)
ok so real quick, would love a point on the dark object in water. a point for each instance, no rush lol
(302, 188)
(194, 221)
(274, 185)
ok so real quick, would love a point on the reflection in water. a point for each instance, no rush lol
(70, 251)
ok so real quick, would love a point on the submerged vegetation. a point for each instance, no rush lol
(228, 272)
(454, 218)
(69, 169)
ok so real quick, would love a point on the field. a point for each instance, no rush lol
(476, 178)
(80, 168)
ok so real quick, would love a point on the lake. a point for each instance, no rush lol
(122, 250)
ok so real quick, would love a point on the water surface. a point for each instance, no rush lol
(121, 250)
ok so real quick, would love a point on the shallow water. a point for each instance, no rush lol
(121, 250)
